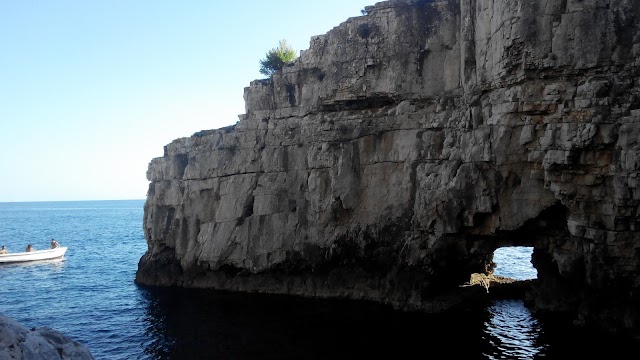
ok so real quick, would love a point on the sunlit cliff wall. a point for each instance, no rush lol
(404, 146)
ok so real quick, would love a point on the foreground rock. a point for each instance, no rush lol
(405, 146)
(19, 342)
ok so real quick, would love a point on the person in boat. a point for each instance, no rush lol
(29, 248)
(54, 244)
(3, 250)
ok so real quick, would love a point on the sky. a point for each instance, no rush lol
(92, 91)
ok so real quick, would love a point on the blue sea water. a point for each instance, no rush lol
(514, 262)
(91, 296)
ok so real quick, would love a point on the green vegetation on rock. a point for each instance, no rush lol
(277, 58)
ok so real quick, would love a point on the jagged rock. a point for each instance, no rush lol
(403, 147)
(19, 342)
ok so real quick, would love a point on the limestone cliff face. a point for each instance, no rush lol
(403, 147)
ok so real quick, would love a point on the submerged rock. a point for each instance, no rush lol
(20, 342)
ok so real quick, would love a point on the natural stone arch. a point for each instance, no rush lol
(539, 233)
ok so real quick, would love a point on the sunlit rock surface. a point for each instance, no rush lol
(19, 342)
(406, 145)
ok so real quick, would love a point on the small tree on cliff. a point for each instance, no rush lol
(277, 58)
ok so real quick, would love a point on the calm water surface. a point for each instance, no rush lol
(91, 296)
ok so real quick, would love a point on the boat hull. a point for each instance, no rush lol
(48, 254)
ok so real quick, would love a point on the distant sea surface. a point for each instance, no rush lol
(91, 296)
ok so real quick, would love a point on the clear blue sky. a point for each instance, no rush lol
(92, 90)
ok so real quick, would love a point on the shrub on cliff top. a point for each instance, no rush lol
(277, 58)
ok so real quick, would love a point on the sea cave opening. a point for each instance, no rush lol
(508, 266)
(514, 262)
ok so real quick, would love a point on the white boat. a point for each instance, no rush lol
(48, 254)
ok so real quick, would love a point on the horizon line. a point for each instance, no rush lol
(41, 201)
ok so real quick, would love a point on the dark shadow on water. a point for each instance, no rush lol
(514, 332)
(206, 324)
(202, 324)
(561, 340)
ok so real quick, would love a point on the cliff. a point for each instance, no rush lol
(404, 146)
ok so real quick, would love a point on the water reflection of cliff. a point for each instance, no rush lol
(198, 324)
(204, 324)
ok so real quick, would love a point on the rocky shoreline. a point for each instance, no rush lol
(20, 342)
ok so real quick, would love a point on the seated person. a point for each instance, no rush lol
(29, 248)
(54, 244)
(3, 250)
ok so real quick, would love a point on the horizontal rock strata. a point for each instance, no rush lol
(405, 145)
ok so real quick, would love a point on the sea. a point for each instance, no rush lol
(91, 297)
